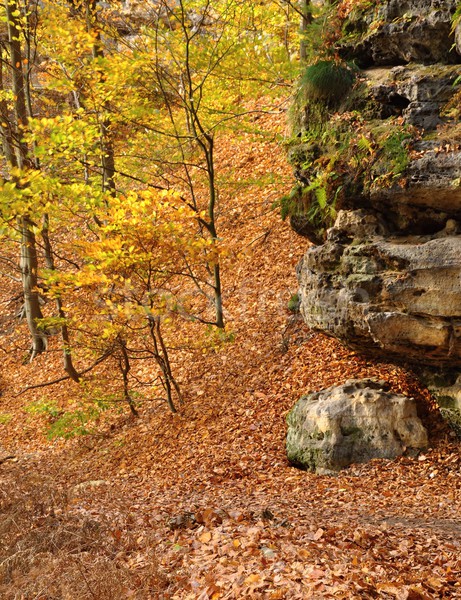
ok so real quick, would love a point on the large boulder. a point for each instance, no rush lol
(352, 423)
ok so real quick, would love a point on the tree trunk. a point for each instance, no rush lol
(29, 260)
(6, 124)
(306, 20)
(66, 347)
(125, 367)
(160, 353)
(107, 146)
(18, 80)
(217, 287)
(28, 264)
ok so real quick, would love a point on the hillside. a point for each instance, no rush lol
(203, 504)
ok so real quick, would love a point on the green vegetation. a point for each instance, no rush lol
(81, 419)
(5, 418)
(339, 150)
(327, 81)
(293, 303)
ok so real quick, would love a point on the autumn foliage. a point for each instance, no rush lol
(105, 493)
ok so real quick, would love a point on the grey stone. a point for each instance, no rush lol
(433, 180)
(352, 423)
(402, 32)
(357, 224)
(445, 387)
(415, 91)
(395, 297)
(386, 278)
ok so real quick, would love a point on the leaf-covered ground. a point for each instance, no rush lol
(203, 504)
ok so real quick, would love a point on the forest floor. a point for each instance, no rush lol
(203, 504)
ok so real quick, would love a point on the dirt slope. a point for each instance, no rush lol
(203, 504)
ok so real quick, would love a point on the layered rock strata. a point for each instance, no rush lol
(386, 277)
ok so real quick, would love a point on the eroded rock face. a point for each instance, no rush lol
(398, 32)
(416, 92)
(397, 296)
(433, 181)
(386, 277)
(352, 423)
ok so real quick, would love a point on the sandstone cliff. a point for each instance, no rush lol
(379, 187)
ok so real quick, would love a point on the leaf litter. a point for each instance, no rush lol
(203, 504)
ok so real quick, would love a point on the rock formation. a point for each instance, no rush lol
(384, 273)
(394, 296)
(352, 423)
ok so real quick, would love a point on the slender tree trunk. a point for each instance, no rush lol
(18, 80)
(206, 143)
(66, 346)
(108, 159)
(306, 20)
(160, 353)
(107, 146)
(28, 264)
(217, 288)
(6, 124)
(125, 367)
(29, 259)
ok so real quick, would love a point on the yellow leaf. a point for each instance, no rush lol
(253, 578)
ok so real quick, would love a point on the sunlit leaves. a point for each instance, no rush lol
(64, 135)
(147, 239)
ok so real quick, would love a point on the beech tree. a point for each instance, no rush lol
(111, 157)
(188, 71)
(18, 157)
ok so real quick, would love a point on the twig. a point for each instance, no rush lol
(46, 383)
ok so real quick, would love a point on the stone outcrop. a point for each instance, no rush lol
(385, 278)
(402, 31)
(391, 295)
(417, 92)
(352, 423)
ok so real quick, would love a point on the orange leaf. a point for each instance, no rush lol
(205, 537)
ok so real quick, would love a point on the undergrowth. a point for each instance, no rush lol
(339, 156)
(49, 553)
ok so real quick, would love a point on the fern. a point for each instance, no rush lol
(364, 144)
(321, 197)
